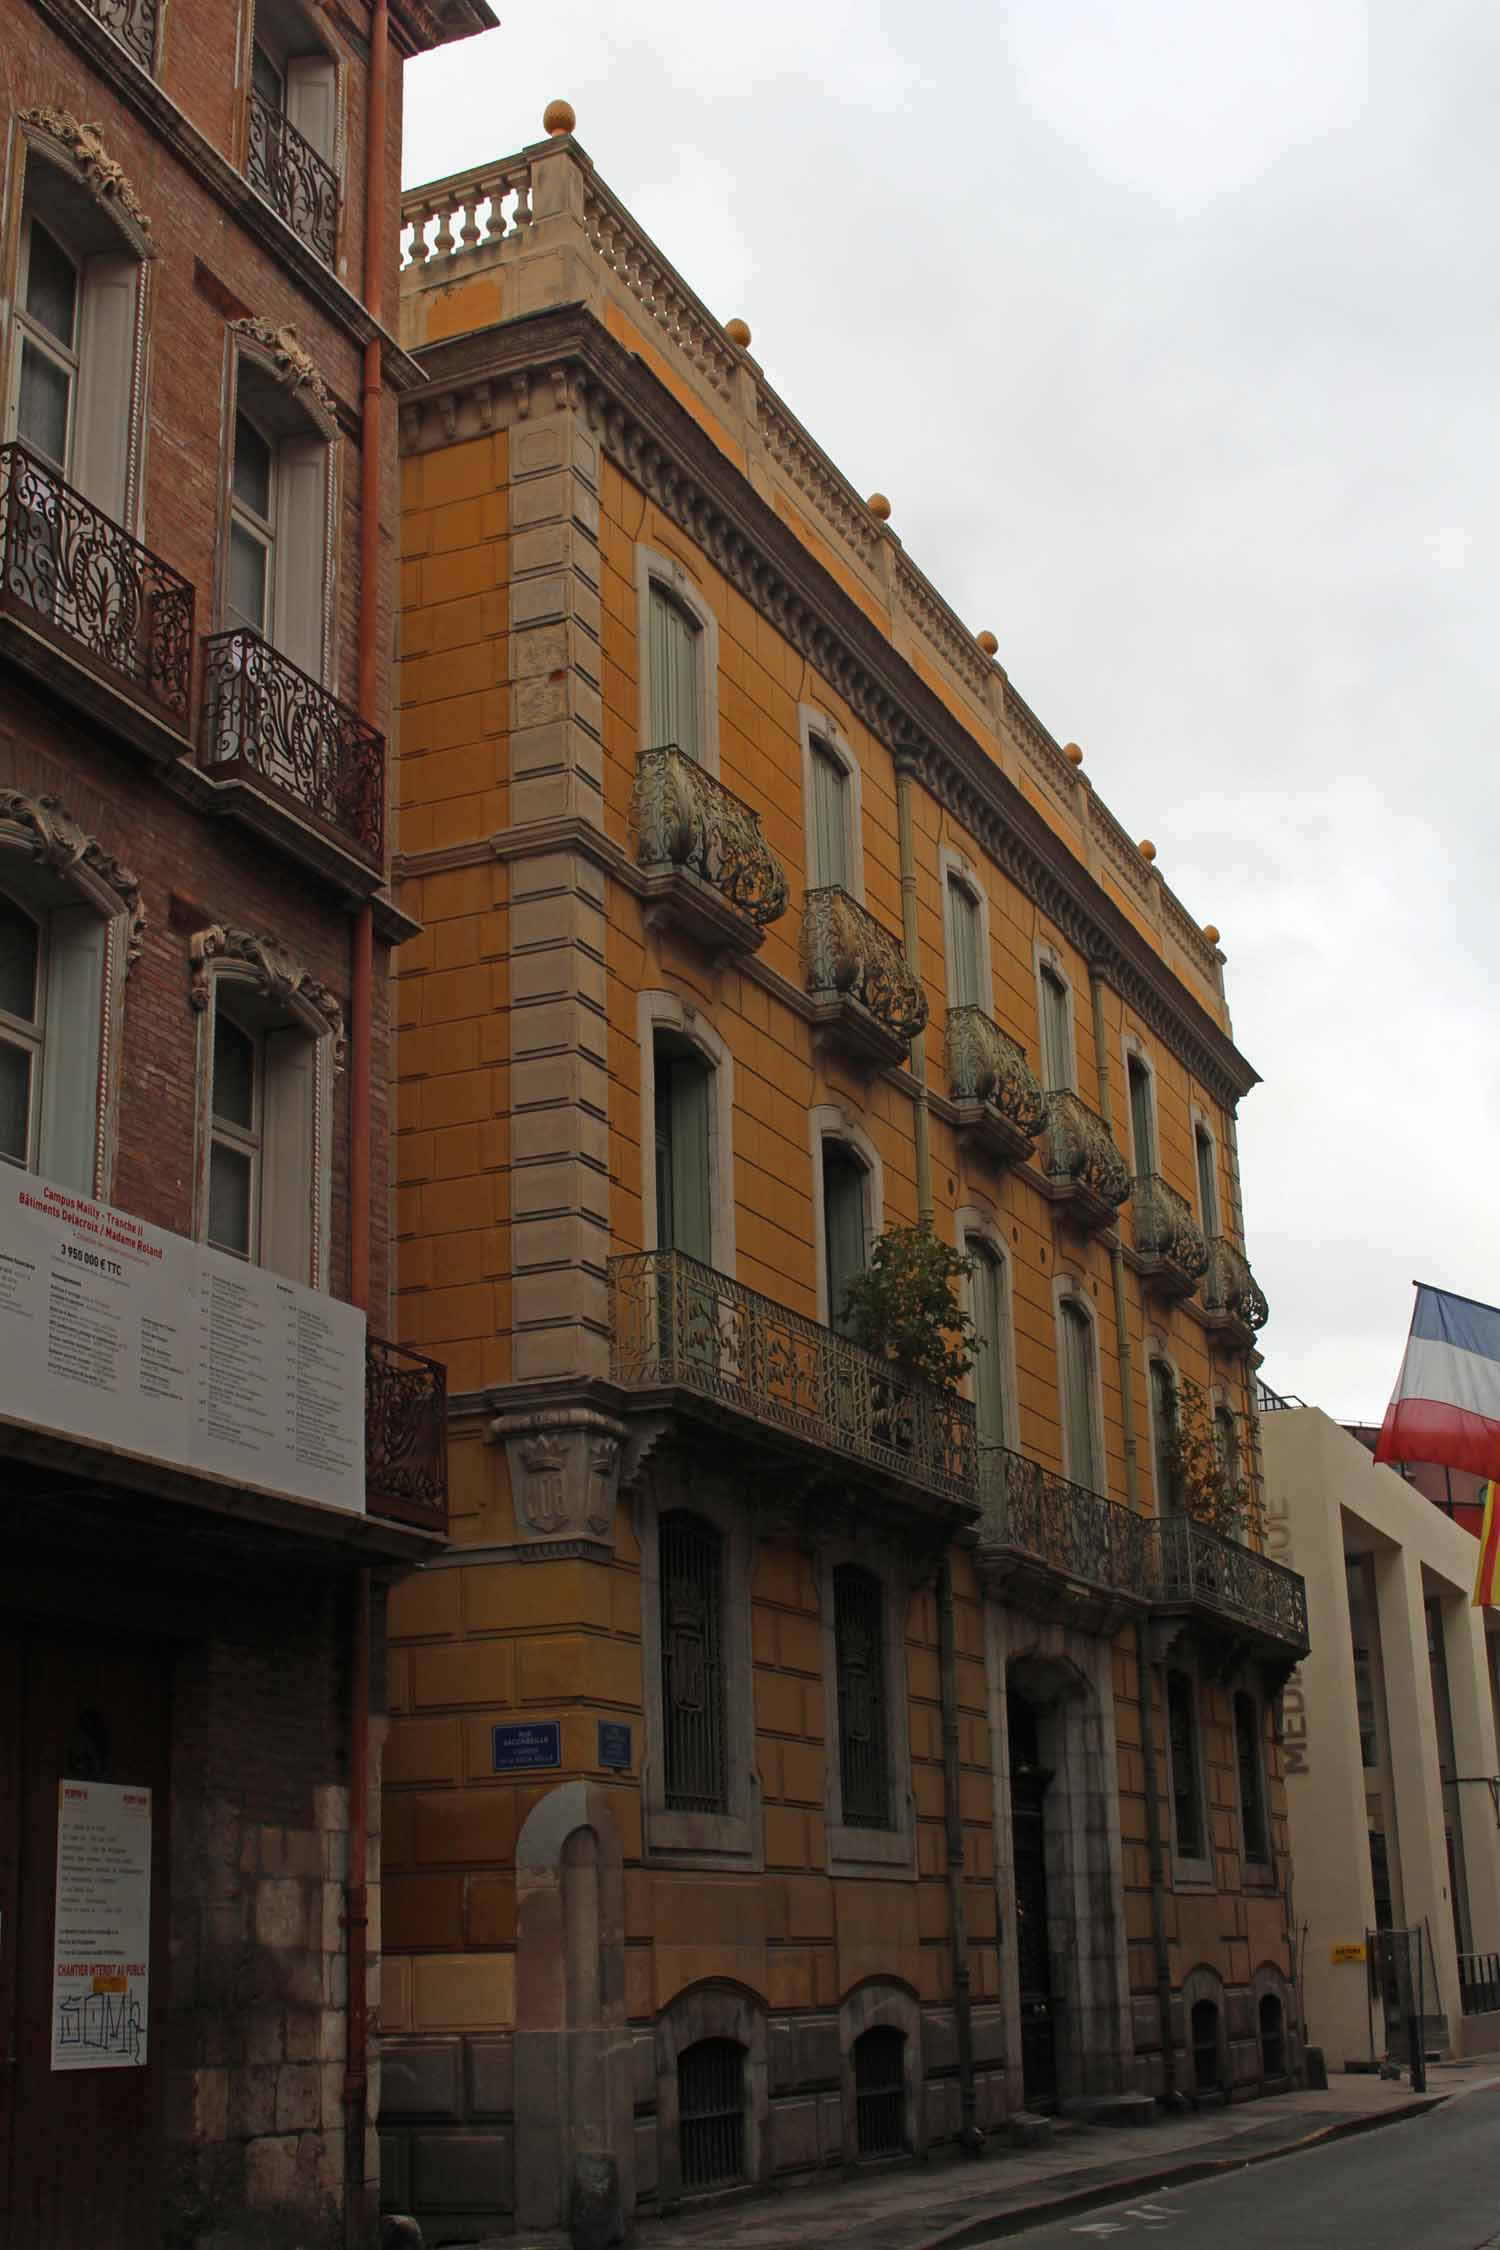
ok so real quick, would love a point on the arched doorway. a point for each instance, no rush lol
(1028, 1788)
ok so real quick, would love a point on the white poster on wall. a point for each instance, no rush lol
(101, 1947)
(113, 1330)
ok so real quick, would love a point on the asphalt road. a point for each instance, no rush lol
(1432, 2183)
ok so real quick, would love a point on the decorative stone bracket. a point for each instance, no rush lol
(564, 1467)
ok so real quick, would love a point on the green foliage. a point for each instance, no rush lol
(904, 1306)
(1206, 1485)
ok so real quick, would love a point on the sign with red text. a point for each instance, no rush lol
(101, 1945)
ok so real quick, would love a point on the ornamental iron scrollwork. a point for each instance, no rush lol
(55, 841)
(684, 818)
(1231, 1289)
(986, 1065)
(133, 23)
(300, 185)
(84, 582)
(1079, 1148)
(1064, 1528)
(1165, 1226)
(676, 1322)
(1203, 1569)
(275, 724)
(406, 1436)
(848, 955)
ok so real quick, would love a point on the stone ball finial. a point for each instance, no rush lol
(1073, 754)
(738, 332)
(879, 507)
(559, 118)
(1146, 848)
(987, 642)
(1210, 933)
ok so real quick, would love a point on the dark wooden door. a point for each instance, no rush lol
(1028, 1828)
(85, 2143)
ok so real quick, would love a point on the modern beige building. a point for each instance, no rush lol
(1388, 1740)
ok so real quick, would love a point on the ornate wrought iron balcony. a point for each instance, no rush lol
(1233, 1587)
(133, 23)
(783, 1380)
(1232, 1296)
(1000, 1105)
(80, 580)
(865, 996)
(1174, 1254)
(1085, 1171)
(267, 723)
(706, 865)
(1068, 1550)
(406, 1436)
(295, 180)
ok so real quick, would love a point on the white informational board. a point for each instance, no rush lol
(112, 1330)
(101, 1947)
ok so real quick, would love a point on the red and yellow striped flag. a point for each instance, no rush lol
(1487, 1576)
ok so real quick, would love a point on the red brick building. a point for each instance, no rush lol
(209, 1462)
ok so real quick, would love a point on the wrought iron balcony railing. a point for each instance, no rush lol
(678, 1324)
(1479, 1983)
(271, 724)
(689, 825)
(993, 1084)
(81, 580)
(406, 1436)
(1081, 1160)
(1166, 1233)
(1231, 1293)
(133, 23)
(858, 975)
(1041, 1520)
(295, 180)
(1202, 1569)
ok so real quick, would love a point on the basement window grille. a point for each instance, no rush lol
(880, 2091)
(1205, 2046)
(859, 1641)
(711, 2114)
(692, 1672)
(1272, 2037)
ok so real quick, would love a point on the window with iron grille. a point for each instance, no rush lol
(1252, 1786)
(1182, 1742)
(1272, 2036)
(859, 1643)
(711, 2113)
(880, 2091)
(1205, 2033)
(692, 1671)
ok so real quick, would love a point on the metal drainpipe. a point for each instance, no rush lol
(914, 963)
(1154, 1856)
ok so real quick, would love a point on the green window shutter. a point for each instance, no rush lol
(965, 932)
(1208, 1197)
(287, 1185)
(692, 1219)
(844, 1226)
(673, 717)
(1078, 1398)
(830, 811)
(987, 1294)
(301, 566)
(1163, 1422)
(1057, 1047)
(75, 1029)
(106, 356)
(1142, 1132)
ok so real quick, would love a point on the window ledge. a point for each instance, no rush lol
(881, 1852)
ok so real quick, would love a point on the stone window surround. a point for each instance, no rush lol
(830, 1121)
(654, 567)
(971, 1222)
(1154, 1346)
(1189, 1873)
(732, 1839)
(1205, 1983)
(1045, 955)
(660, 1010)
(1068, 1282)
(1133, 1048)
(711, 2011)
(870, 1851)
(955, 866)
(1199, 1121)
(882, 2004)
(816, 724)
(278, 357)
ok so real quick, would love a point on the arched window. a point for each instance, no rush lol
(1084, 1454)
(52, 974)
(880, 2090)
(292, 135)
(1272, 2036)
(277, 562)
(991, 1357)
(676, 657)
(1056, 1028)
(1182, 1751)
(846, 1225)
(1248, 1759)
(1205, 2037)
(860, 1651)
(711, 2114)
(830, 857)
(968, 986)
(1163, 1434)
(1227, 1446)
(691, 1566)
(1208, 1187)
(1142, 1117)
(683, 1082)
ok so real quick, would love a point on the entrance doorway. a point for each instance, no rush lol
(1028, 1787)
(81, 2060)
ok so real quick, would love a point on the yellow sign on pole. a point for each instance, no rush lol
(1348, 1953)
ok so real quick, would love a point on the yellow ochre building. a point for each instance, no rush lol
(789, 1764)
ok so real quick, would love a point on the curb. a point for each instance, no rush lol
(1047, 2208)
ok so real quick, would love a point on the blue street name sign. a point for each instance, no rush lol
(520, 1749)
(614, 1744)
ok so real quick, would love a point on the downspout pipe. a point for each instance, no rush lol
(1155, 1855)
(358, 2215)
(914, 962)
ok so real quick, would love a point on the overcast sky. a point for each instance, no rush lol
(1169, 326)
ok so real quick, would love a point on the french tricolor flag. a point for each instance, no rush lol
(1446, 1406)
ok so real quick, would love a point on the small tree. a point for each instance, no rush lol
(904, 1306)
(1207, 1485)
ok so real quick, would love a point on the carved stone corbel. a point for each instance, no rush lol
(564, 1467)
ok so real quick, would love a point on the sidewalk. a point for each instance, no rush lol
(958, 2201)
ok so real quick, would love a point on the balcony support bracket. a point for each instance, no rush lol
(565, 1478)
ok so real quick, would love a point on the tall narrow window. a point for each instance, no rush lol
(1208, 1190)
(47, 362)
(52, 960)
(859, 1641)
(1227, 1446)
(276, 568)
(845, 1226)
(675, 662)
(252, 527)
(987, 1300)
(1080, 1416)
(1182, 1746)
(291, 153)
(1163, 1435)
(262, 1188)
(1057, 1030)
(690, 1555)
(21, 1010)
(684, 1219)
(69, 396)
(966, 982)
(234, 1156)
(831, 859)
(1142, 1118)
(1252, 1778)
